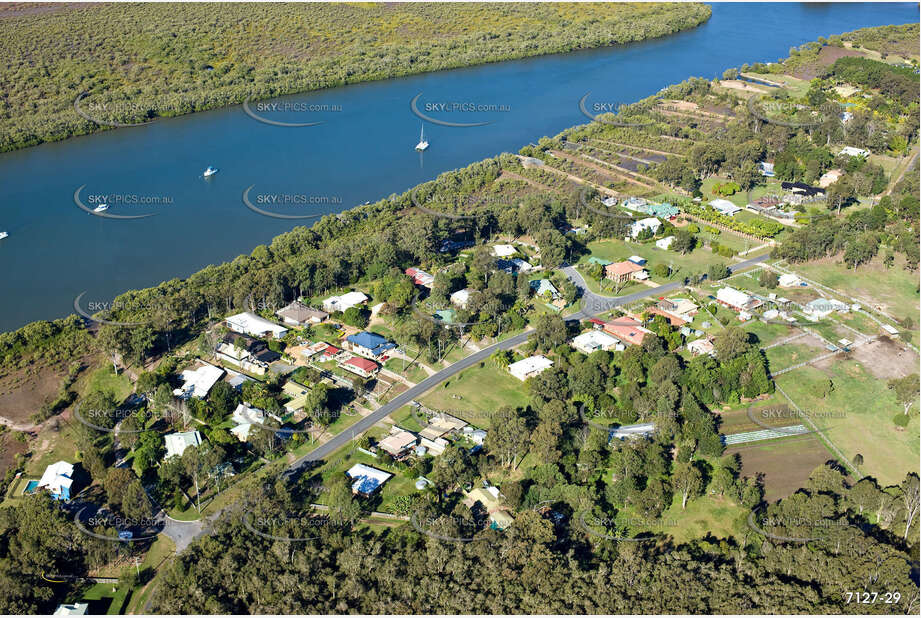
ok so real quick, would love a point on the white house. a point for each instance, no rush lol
(74, 609)
(460, 298)
(530, 367)
(736, 299)
(665, 243)
(823, 307)
(724, 207)
(634, 203)
(177, 443)
(854, 152)
(244, 413)
(366, 480)
(701, 346)
(503, 250)
(57, 479)
(789, 280)
(247, 323)
(344, 302)
(197, 382)
(649, 223)
(593, 340)
(522, 266)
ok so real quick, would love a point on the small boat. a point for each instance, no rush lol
(101, 207)
(211, 171)
(3, 235)
(423, 144)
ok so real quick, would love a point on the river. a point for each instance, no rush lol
(361, 151)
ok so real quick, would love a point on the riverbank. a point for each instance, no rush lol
(140, 62)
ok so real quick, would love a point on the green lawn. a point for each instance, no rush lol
(718, 516)
(790, 354)
(862, 422)
(414, 373)
(105, 380)
(894, 289)
(768, 333)
(346, 457)
(698, 261)
(477, 392)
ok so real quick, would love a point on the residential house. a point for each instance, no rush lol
(366, 480)
(823, 307)
(766, 169)
(298, 394)
(609, 202)
(673, 320)
(477, 436)
(634, 203)
(435, 447)
(649, 223)
(460, 298)
(299, 314)
(789, 280)
(621, 272)
(73, 609)
(542, 287)
(344, 302)
(854, 152)
(521, 266)
(724, 207)
(628, 330)
(702, 346)
(248, 323)
(679, 307)
(504, 250)
(398, 444)
(252, 355)
(420, 277)
(360, 366)
(244, 413)
(530, 367)
(663, 210)
(665, 243)
(593, 340)
(441, 425)
(177, 443)
(197, 382)
(325, 351)
(736, 299)
(58, 479)
(368, 344)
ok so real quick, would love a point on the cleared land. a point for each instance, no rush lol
(475, 393)
(786, 463)
(857, 415)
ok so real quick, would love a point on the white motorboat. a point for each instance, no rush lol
(101, 207)
(211, 171)
(423, 144)
(3, 235)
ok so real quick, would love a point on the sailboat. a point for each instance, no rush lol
(422, 145)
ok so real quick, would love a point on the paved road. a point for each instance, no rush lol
(593, 304)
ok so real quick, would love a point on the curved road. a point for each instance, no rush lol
(592, 304)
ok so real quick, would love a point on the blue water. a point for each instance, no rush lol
(363, 152)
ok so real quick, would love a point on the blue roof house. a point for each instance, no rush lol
(367, 344)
